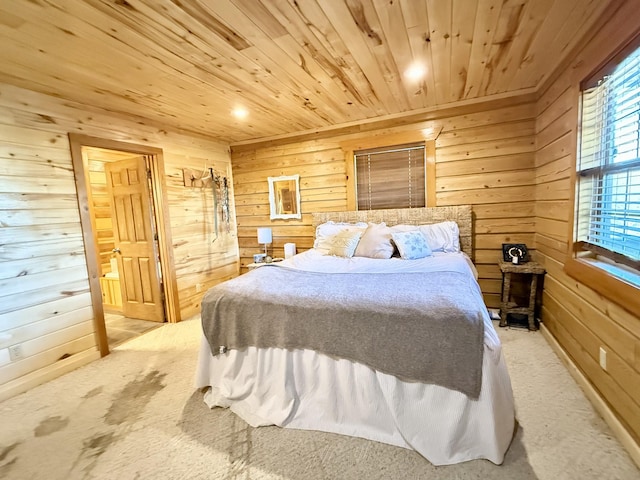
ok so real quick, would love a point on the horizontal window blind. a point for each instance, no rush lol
(608, 182)
(391, 177)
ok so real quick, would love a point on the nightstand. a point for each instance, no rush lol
(506, 306)
(251, 266)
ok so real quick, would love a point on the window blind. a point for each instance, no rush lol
(608, 167)
(391, 177)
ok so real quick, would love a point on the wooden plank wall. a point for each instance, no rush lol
(202, 259)
(322, 188)
(45, 306)
(484, 158)
(581, 320)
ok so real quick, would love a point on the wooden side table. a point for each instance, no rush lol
(506, 306)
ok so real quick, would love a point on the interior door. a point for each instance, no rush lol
(135, 246)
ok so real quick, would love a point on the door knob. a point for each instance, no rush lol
(116, 250)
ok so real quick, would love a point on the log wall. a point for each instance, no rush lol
(484, 158)
(45, 305)
(581, 320)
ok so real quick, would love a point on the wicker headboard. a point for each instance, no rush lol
(461, 214)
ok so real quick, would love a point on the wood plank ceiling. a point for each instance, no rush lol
(295, 65)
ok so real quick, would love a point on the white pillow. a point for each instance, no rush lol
(325, 232)
(375, 242)
(344, 244)
(411, 244)
(404, 228)
(442, 237)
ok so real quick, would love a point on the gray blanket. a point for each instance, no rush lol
(422, 327)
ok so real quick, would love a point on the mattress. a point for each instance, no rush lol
(305, 389)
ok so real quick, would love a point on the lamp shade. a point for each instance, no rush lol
(264, 235)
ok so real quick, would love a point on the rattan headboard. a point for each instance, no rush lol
(461, 214)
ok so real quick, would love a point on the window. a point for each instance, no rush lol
(607, 202)
(391, 177)
(608, 181)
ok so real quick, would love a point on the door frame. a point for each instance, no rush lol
(161, 212)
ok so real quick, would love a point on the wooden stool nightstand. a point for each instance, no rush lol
(506, 306)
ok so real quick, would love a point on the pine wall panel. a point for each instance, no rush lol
(483, 158)
(581, 320)
(322, 171)
(45, 305)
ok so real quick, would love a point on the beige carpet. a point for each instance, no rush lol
(135, 415)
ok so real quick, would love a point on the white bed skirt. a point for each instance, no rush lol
(303, 389)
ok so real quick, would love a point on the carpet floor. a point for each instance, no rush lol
(135, 415)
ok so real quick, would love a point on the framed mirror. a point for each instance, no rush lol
(284, 197)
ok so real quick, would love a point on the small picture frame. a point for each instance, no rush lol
(517, 250)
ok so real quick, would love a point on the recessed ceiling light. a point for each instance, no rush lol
(415, 72)
(240, 113)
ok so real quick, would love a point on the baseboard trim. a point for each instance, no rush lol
(594, 397)
(33, 379)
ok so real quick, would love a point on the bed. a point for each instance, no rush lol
(343, 339)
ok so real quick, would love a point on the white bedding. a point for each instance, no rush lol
(314, 261)
(307, 390)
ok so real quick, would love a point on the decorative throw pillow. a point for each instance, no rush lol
(326, 231)
(375, 242)
(344, 243)
(401, 227)
(411, 245)
(443, 236)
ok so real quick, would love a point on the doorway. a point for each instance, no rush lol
(122, 197)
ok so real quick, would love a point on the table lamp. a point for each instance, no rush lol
(264, 236)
